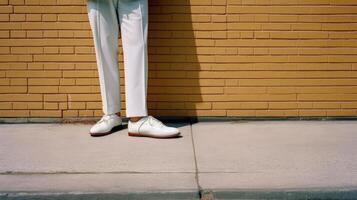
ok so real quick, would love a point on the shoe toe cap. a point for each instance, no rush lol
(99, 128)
(95, 129)
(173, 131)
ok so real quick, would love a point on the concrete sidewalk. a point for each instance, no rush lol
(212, 160)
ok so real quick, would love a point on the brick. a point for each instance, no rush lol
(50, 106)
(70, 113)
(33, 73)
(45, 113)
(55, 97)
(14, 113)
(43, 89)
(13, 89)
(85, 113)
(93, 105)
(76, 105)
(43, 81)
(5, 106)
(62, 105)
(21, 97)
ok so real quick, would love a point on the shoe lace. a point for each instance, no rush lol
(105, 118)
(154, 121)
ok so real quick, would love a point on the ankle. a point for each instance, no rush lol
(135, 119)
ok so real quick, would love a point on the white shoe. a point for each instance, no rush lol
(149, 126)
(106, 125)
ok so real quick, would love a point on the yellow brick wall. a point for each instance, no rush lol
(207, 58)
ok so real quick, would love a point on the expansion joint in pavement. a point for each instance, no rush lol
(203, 194)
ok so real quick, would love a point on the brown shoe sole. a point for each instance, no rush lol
(141, 135)
(114, 129)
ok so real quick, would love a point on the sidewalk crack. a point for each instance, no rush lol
(200, 190)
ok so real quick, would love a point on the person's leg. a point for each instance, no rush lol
(104, 24)
(133, 19)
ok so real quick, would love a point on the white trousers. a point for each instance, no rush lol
(106, 17)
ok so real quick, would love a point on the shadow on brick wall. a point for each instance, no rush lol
(174, 85)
